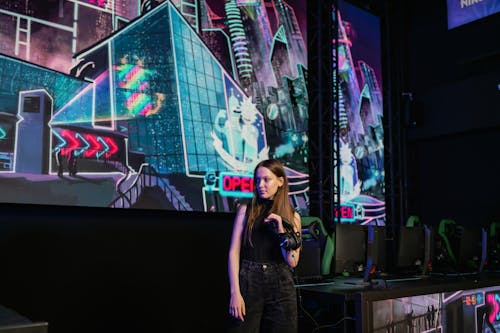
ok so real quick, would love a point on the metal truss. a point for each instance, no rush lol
(323, 111)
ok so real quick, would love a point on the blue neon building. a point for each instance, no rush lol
(159, 84)
(18, 78)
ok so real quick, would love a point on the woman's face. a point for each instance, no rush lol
(267, 183)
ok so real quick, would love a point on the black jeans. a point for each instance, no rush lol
(270, 298)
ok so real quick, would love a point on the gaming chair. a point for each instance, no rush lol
(445, 259)
(317, 249)
(413, 221)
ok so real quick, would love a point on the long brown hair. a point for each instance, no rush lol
(257, 206)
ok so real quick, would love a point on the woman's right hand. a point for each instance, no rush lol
(237, 306)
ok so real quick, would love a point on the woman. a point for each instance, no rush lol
(265, 247)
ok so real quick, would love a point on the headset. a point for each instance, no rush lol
(289, 240)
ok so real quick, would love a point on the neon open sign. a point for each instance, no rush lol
(235, 185)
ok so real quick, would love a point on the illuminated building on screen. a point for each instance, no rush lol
(49, 35)
(166, 89)
(361, 163)
(260, 42)
(280, 58)
(294, 36)
(260, 38)
(370, 80)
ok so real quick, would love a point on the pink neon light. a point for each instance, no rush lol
(113, 148)
(131, 75)
(212, 16)
(101, 77)
(374, 210)
(490, 298)
(270, 6)
(146, 109)
(135, 101)
(371, 218)
(94, 145)
(73, 142)
(132, 99)
(100, 3)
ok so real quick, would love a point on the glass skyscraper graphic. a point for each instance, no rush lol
(160, 85)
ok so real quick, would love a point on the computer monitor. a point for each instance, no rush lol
(445, 247)
(410, 249)
(471, 253)
(37, 327)
(350, 249)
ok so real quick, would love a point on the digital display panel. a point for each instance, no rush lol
(461, 12)
(361, 133)
(170, 108)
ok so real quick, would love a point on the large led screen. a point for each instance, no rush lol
(361, 132)
(160, 105)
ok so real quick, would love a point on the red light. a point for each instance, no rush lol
(113, 148)
(94, 145)
(73, 142)
(237, 183)
(346, 212)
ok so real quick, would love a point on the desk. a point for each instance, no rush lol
(335, 306)
(437, 304)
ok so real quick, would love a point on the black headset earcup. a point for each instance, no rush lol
(299, 240)
(295, 240)
(290, 240)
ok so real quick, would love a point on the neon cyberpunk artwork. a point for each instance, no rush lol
(475, 311)
(151, 104)
(361, 136)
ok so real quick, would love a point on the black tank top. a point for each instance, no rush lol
(266, 248)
